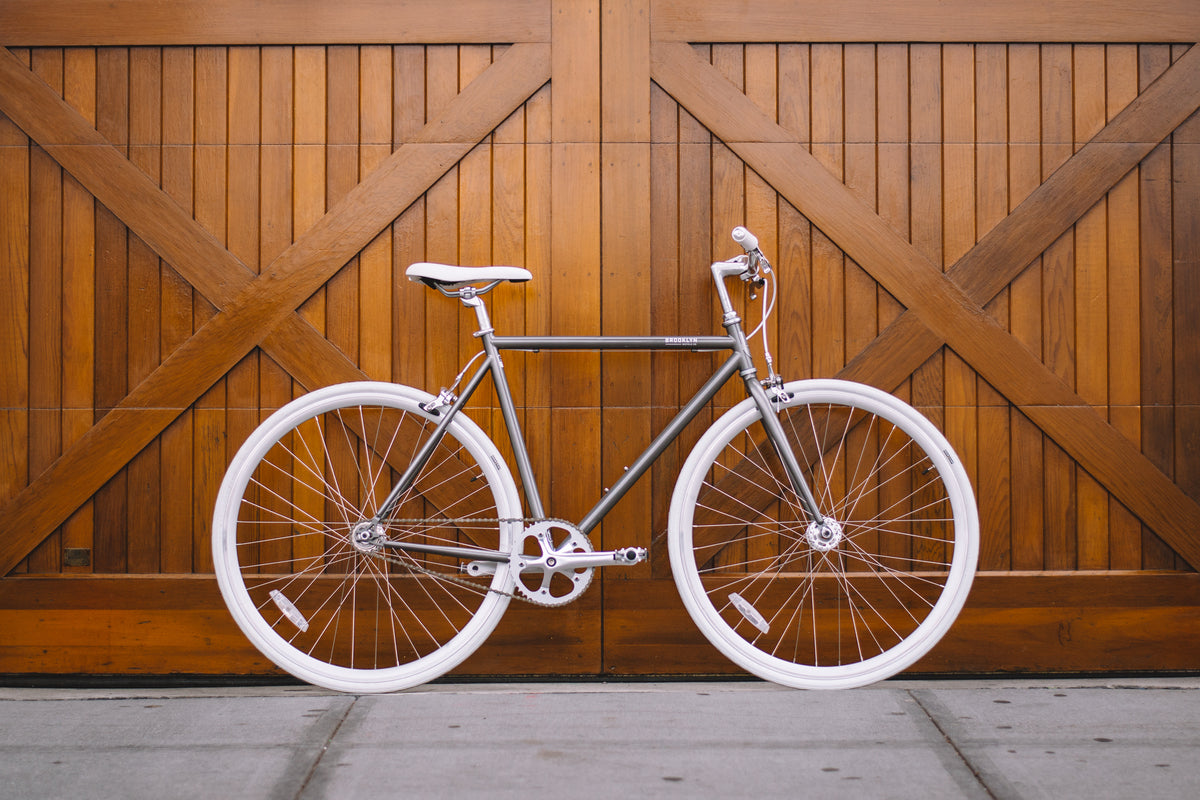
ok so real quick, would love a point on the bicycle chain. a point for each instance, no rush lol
(475, 587)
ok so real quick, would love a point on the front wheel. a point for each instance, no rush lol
(842, 603)
(339, 610)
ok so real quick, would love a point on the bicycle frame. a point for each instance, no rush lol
(740, 361)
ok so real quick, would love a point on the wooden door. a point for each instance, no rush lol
(989, 211)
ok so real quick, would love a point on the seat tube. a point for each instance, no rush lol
(508, 410)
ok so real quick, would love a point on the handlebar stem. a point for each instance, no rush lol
(727, 269)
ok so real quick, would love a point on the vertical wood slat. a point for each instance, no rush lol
(178, 441)
(1025, 318)
(1091, 307)
(994, 482)
(1124, 315)
(14, 302)
(143, 538)
(1156, 303)
(112, 297)
(45, 308)
(79, 287)
(959, 133)
(1185, 198)
(210, 193)
(1058, 314)
(626, 423)
(575, 248)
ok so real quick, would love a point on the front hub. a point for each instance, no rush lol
(824, 536)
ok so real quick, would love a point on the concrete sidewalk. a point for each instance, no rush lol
(906, 739)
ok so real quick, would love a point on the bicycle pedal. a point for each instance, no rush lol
(629, 555)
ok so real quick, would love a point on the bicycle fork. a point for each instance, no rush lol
(821, 527)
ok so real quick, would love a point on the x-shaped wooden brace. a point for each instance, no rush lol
(948, 308)
(254, 310)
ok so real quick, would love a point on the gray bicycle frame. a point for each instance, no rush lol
(740, 361)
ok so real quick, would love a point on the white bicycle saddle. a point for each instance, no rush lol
(452, 277)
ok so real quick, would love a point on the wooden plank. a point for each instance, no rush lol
(1058, 307)
(828, 262)
(233, 22)
(1025, 304)
(1185, 202)
(509, 245)
(1124, 317)
(1018, 622)
(861, 156)
(14, 303)
(926, 224)
(210, 191)
(575, 240)
(341, 175)
(442, 356)
(141, 534)
(728, 202)
(994, 482)
(953, 316)
(1091, 306)
(625, 71)
(1021, 623)
(178, 80)
(664, 288)
(375, 261)
(959, 215)
(1155, 219)
(112, 297)
(924, 21)
(79, 287)
(264, 304)
(408, 116)
(45, 310)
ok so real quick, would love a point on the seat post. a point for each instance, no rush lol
(471, 299)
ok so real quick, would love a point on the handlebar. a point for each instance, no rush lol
(754, 257)
(745, 238)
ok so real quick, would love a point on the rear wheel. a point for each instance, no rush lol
(308, 582)
(845, 602)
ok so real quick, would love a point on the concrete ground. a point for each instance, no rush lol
(1062, 738)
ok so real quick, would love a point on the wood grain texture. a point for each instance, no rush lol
(926, 21)
(248, 316)
(942, 304)
(238, 22)
(206, 209)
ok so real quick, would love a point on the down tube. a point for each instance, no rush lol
(656, 447)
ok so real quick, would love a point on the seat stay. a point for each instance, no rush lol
(404, 483)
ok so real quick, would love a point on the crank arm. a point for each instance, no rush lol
(563, 562)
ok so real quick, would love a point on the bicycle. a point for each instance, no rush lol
(367, 537)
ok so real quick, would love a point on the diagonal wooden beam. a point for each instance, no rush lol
(943, 309)
(166, 228)
(263, 307)
(1006, 250)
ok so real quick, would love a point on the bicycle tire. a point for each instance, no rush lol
(326, 611)
(836, 606)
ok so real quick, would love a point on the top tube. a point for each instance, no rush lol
(690, 343)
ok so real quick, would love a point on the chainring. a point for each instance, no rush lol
(542, 577)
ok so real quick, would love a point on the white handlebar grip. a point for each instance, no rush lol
(745, 238)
